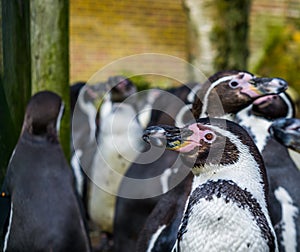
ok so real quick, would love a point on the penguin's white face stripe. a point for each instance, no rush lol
(179, 117)
(9, 228)
(288, 221)
(154, 237)
(191, 95)
(212, 86)
(288, 103)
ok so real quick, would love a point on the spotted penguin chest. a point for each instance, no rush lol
(217, 221)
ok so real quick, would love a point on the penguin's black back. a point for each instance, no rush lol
(45, 213)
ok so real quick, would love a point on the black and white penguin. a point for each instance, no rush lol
(227, 207)
(259, 115)
(287, 132)
(284, 179)
(45, 213)
(86, 121)
(84, 125)
(283, 174)
(224, 94)
(119, 142)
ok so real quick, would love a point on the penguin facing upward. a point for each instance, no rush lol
(119, 142)
(45, 214)
(227, 206)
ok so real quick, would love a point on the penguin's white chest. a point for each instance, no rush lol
(120, 142)
(257, 127)
(219, 226)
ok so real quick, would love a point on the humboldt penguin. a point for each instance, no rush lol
(119, 141)
(45, 213)
(284, 179)
(287, 132)
(227, 206)
(223, 95)
(283, 174)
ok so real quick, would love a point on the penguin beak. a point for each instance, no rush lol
(287, 132)
(261, 86)
(173, 138)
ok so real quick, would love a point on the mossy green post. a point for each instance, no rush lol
(15, 88)
(50, 55)
(230, 34)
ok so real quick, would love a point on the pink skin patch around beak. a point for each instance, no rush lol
(262, 99)
(194, 140)
(250, 90)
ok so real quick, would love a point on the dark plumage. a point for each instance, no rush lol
(287, 132)
(45, 212)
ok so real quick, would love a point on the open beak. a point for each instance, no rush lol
(173, 138)
(261, 86)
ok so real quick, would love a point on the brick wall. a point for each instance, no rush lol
(104, 31)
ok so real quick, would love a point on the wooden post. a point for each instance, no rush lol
(230, 34)
(15, 81)
(50, 55)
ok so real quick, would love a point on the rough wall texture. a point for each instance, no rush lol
(104, 31)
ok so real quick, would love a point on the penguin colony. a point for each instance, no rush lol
(227, 178)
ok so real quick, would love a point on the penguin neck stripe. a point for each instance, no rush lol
(212, 86)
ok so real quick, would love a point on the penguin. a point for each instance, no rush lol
(227, 208)
(286, 131)
(45, 213)
(258, 116)
(119, 141)
(284, 179)
(224, 94)
(176, 112)
(85, 123)
(283, 174)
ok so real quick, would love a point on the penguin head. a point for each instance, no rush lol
(233, 90)
(207, 141)
(274, 106)
(121, 88)
(43, 115)
(287, 132)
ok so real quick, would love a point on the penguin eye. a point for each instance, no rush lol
(209, 137)
(233, 84)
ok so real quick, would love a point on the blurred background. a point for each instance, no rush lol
(53, 44)
(261, 36)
